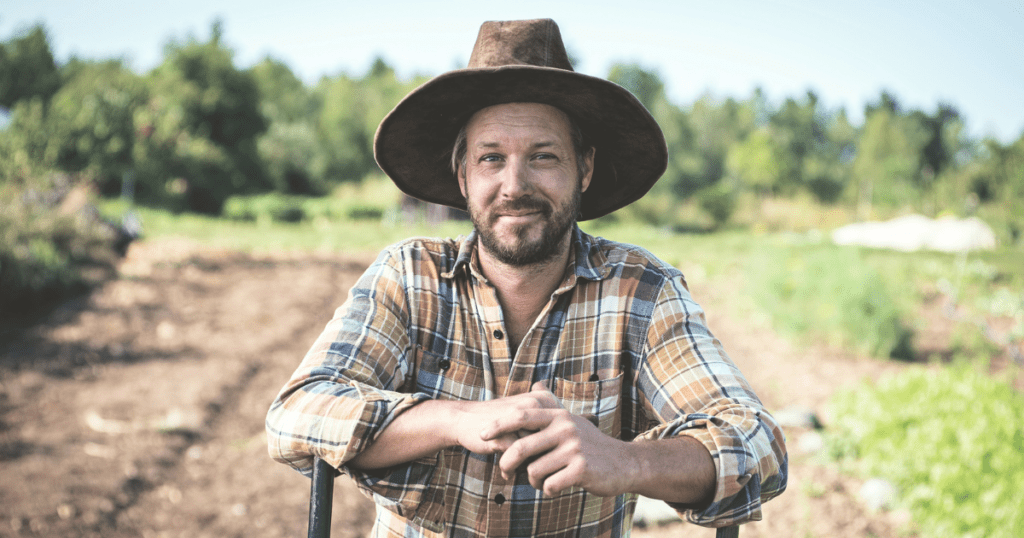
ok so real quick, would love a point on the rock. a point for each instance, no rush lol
(878, 494)
(66, 511)
(810, 442)
(650, 512)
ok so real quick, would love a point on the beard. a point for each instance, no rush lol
(522, 251)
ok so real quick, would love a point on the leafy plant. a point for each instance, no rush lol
(47, 255)
(951, 439)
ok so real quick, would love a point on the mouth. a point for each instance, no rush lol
(519, 216)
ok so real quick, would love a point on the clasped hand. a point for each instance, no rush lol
(558, 450)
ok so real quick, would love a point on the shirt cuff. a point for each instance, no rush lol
(739, 487)
(409, 490)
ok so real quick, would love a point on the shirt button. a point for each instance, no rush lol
(444, 364)
(498, 334)
(594, 377)
(499, 499)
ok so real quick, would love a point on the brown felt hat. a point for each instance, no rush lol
(521, 62)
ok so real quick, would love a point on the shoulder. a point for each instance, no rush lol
(624, 260)
(422, 255)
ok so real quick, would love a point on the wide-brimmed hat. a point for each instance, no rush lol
(521, 61)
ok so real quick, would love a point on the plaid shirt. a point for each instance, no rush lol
(621, 342)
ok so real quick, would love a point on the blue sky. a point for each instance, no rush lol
(969, 54)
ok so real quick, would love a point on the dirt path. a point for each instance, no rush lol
(138, 411)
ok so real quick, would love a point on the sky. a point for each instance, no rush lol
(969, 54)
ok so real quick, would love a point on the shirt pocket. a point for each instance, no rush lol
(597, 401)
(447, 378)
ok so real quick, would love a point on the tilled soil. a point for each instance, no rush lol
(138, 410)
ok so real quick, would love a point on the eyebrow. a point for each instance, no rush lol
(541, 144)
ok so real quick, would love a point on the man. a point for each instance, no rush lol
(528, 380)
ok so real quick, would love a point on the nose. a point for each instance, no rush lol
(515, 181)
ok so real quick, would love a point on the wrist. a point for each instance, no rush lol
(455, 426)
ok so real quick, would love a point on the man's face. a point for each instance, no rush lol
(520, 181)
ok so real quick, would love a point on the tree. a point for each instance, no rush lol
(758, 162)
(292, 153)
(888, 157)
(644, 84)
(200, 129)
(91, 121)
(352, 109)
(799, 131)
(27, 68)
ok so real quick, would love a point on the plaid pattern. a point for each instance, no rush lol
(620, 342)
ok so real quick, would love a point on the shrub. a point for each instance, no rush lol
(951, 439)
(832, 294)
(47, 255)
(271, 207)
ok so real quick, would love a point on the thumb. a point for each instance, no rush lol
(540, 385)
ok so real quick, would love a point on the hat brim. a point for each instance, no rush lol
(413, 144)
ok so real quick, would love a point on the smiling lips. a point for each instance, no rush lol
(522, 208)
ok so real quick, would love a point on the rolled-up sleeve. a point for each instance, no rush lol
(345, 391)
(692, 388)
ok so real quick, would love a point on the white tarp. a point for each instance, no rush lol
(917, 232)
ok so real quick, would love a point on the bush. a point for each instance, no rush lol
(952, 440)
(830, 293)
(47, 255)
(265, 208)
(719, 202)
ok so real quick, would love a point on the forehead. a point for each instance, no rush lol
(515, 121)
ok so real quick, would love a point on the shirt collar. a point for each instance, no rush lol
(588, 261)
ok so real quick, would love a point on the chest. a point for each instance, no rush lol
(466, 347)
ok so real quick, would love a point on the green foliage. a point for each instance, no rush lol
(294, 159)
(352, 109)
(830, 293)
(997, 179)
(265, 207)
(91, 122)
(46, 255)
(350, 202)
(951, 439)
(758, 162)
(718, 201)
(292, 153)
(27, 68)
(199, 130)
(645, 84)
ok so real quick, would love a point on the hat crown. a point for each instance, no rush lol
(535, 42)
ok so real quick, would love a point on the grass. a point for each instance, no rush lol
(343, 236)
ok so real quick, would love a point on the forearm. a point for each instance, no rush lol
(421, 431)
(677, 470)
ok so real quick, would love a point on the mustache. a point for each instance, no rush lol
(524, 204)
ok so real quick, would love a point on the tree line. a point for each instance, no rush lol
(197, 129)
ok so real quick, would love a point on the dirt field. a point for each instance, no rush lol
(138, 411)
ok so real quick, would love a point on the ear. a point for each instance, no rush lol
(460, 176)
(589, 159)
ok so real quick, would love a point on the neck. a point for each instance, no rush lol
(523, 291)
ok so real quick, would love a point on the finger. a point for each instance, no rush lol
(502, 443)
(540, 469)
(524, 450)
(518, 419)
(560, 480)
